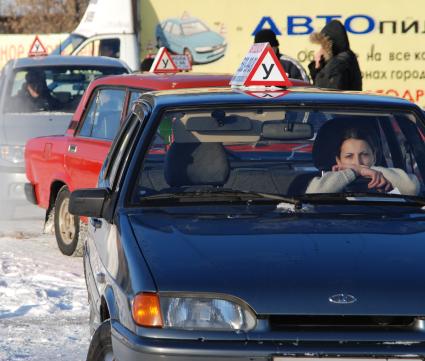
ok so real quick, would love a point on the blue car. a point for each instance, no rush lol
(237, 226)
(191, 37)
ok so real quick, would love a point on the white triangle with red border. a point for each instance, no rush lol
(163, 62)
(260, 67)
(268, 71)
(37, 48)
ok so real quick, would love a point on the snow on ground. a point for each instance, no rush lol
(43, 298)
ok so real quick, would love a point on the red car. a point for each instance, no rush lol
(57, 165)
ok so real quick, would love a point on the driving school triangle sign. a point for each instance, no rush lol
(261, 67)
(163, 62)
(37, 48)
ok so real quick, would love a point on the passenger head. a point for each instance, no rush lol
(109, 47)
(147, 63)
(357, 147)
(35, 82)
(268, 36)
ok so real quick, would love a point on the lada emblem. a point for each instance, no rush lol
(342, 299)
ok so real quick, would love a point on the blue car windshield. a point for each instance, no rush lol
(281, 151)
(194, 27)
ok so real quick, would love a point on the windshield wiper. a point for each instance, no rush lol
(221, 194)
(364, 197)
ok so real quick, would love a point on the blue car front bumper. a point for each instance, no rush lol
(128, 346)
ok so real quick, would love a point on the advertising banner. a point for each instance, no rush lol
(18, 46)
(387, 35)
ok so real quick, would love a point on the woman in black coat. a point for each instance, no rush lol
(335, 65)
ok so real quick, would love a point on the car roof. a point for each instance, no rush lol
(62, 60)
(155, 81)
(184, 20)
(152, 81)
(166, 81)
(308, 96)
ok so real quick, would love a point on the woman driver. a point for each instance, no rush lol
(356, 157)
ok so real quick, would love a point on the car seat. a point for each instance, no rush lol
(194, 164)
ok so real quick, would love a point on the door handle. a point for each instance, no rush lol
(72, 148)
(96, 223)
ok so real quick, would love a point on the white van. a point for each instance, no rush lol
(99, 34)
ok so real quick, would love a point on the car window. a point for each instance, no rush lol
(89, 49)
(167, 26)
(134, 95)
(120, 149)
(194, 27)
(88, 120)
(69, 45)
(285, 152)
(104, 115)
(175, 30)
(53, 89)
(109, 47)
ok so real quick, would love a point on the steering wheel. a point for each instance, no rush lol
(359, 185)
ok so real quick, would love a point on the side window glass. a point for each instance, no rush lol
(108, 115)
(89, 119)
(87, 50)
(167, 27)
(406, 148)
(133, 96)
(119, 148)
(109, 47)
(175, 30)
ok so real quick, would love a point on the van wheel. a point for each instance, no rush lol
(100, 348)
(67, 226)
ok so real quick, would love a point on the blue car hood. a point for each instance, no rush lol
(288, 264)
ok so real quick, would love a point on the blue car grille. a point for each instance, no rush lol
(287, 322)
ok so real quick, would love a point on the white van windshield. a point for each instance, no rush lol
(69, 45)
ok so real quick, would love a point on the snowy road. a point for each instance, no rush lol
(43, 298)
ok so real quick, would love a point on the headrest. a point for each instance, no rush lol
(330, 135)
(188, 164)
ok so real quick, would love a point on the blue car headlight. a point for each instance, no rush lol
(199, 313)
(204, 49)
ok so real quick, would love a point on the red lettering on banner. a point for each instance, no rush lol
(392, 92)
(3, 53)
(12, 52)
(20, 53)
(408, 96)
(413, 95)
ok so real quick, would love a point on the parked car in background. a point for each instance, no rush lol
(57, 84)
(57, 165)
(191, 37)
(206, 244)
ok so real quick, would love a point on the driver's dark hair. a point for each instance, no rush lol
(359, 134)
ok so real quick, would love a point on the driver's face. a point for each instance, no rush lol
(356, 152)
